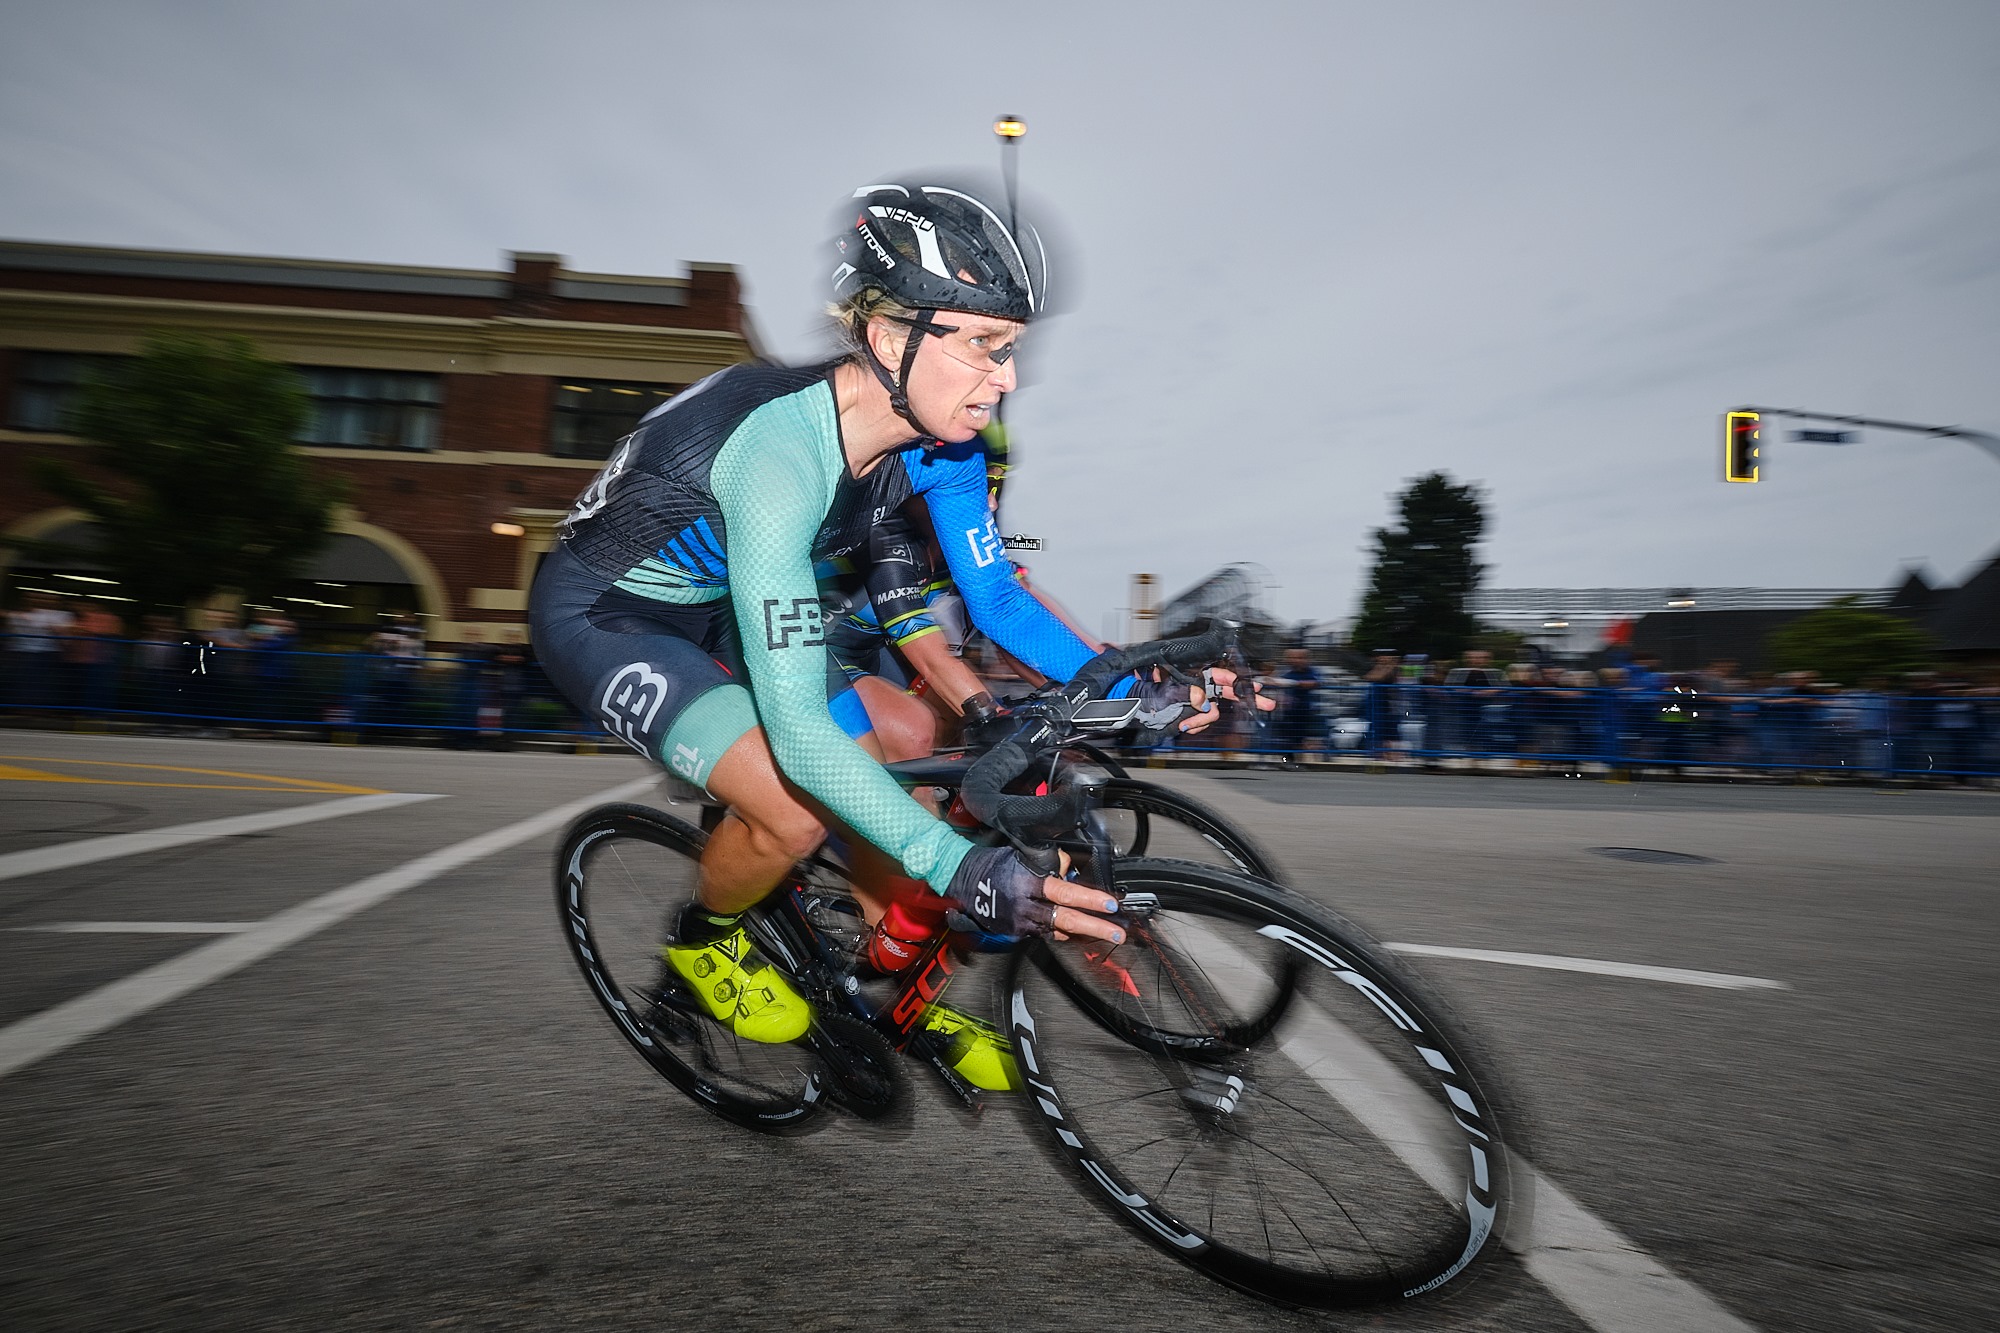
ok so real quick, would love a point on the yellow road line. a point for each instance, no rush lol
(9, 773)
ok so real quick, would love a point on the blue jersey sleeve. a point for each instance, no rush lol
(952, 480)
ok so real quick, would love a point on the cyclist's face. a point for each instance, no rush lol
(957, 381)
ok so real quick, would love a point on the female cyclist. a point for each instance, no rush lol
(686, 572)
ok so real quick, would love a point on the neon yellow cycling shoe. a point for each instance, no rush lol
(978, 1052)
(740, 989)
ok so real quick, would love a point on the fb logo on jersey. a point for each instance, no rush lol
(631, 701)
(985, 543)
(801, 617)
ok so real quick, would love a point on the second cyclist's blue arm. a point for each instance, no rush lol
(952, 481)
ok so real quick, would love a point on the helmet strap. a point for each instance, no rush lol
(899, 398)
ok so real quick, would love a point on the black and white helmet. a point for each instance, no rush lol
(941, 247)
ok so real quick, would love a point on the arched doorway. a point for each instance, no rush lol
(361, 579)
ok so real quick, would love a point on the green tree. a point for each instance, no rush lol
(1424, 572)
(196, 486)
(1848, 643)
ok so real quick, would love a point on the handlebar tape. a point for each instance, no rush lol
(1034, 818)
(1108, 666)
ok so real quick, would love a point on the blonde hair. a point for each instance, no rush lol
(852, 313)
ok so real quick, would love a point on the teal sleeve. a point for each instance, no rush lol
(774, 480)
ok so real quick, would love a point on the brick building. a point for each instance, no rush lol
(463, 408)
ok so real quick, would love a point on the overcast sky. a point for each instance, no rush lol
(1328, 246)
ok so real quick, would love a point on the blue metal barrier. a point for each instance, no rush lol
(1951, 733)
(465, 700)
(501, 696)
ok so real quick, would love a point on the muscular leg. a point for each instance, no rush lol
(771, 826)
(767, 830)
(905, 726)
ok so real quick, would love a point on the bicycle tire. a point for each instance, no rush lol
(1148, 801)
(622, 873)
(1348, 1155)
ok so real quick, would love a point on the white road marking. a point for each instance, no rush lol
(53, 1030)
(64, 855)
(1678, 975)
(136, 927)
(1606, 1280)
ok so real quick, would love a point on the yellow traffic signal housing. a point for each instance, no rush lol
(1740, 434)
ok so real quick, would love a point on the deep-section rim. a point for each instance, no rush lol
(778, 1116)
(1316, 935)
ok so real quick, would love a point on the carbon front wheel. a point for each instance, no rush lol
(1257, 1090)
(1146, 819)
(622, 876)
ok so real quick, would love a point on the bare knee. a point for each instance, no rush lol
(746, 779)
(786, 829)
(905, 726)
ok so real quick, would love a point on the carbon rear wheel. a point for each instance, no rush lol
(622, 875)
(1256, 1089)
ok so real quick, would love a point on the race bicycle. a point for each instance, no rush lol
(1248, 1081)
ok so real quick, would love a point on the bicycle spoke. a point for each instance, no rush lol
(1313, 1158)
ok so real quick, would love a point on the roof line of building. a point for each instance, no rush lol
(342, 275)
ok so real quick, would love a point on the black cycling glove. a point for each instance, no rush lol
(995, 893)
(1164, 704)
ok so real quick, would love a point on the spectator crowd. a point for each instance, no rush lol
(77, 660)
(1632, 713)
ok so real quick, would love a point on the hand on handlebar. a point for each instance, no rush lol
(1229, 685)
(996, 893)
(1166, 703)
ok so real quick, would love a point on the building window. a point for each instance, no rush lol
(47, 386)
(372, 409)
(591, 416)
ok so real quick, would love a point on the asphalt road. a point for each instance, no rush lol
(399, 1108)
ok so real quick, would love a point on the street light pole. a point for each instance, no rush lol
(1009, 130)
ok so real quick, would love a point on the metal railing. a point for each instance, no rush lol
(488, 698)
(501, 697)
(1865, 734)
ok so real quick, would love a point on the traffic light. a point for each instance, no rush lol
(1740, 434)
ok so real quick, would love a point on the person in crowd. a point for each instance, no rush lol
(1298, 694)
(1552, 715)
(1726, 725)
(222, 676)
(35, 636)
(1585, 733)
(1384, 668)
(399, 650)
(159, 661)
(1785, 714)
(91, 655)
(1955, 718)
(1474, 712)
(272, 638)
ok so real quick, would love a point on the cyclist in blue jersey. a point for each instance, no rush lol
(902, 607)
(680, 606)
